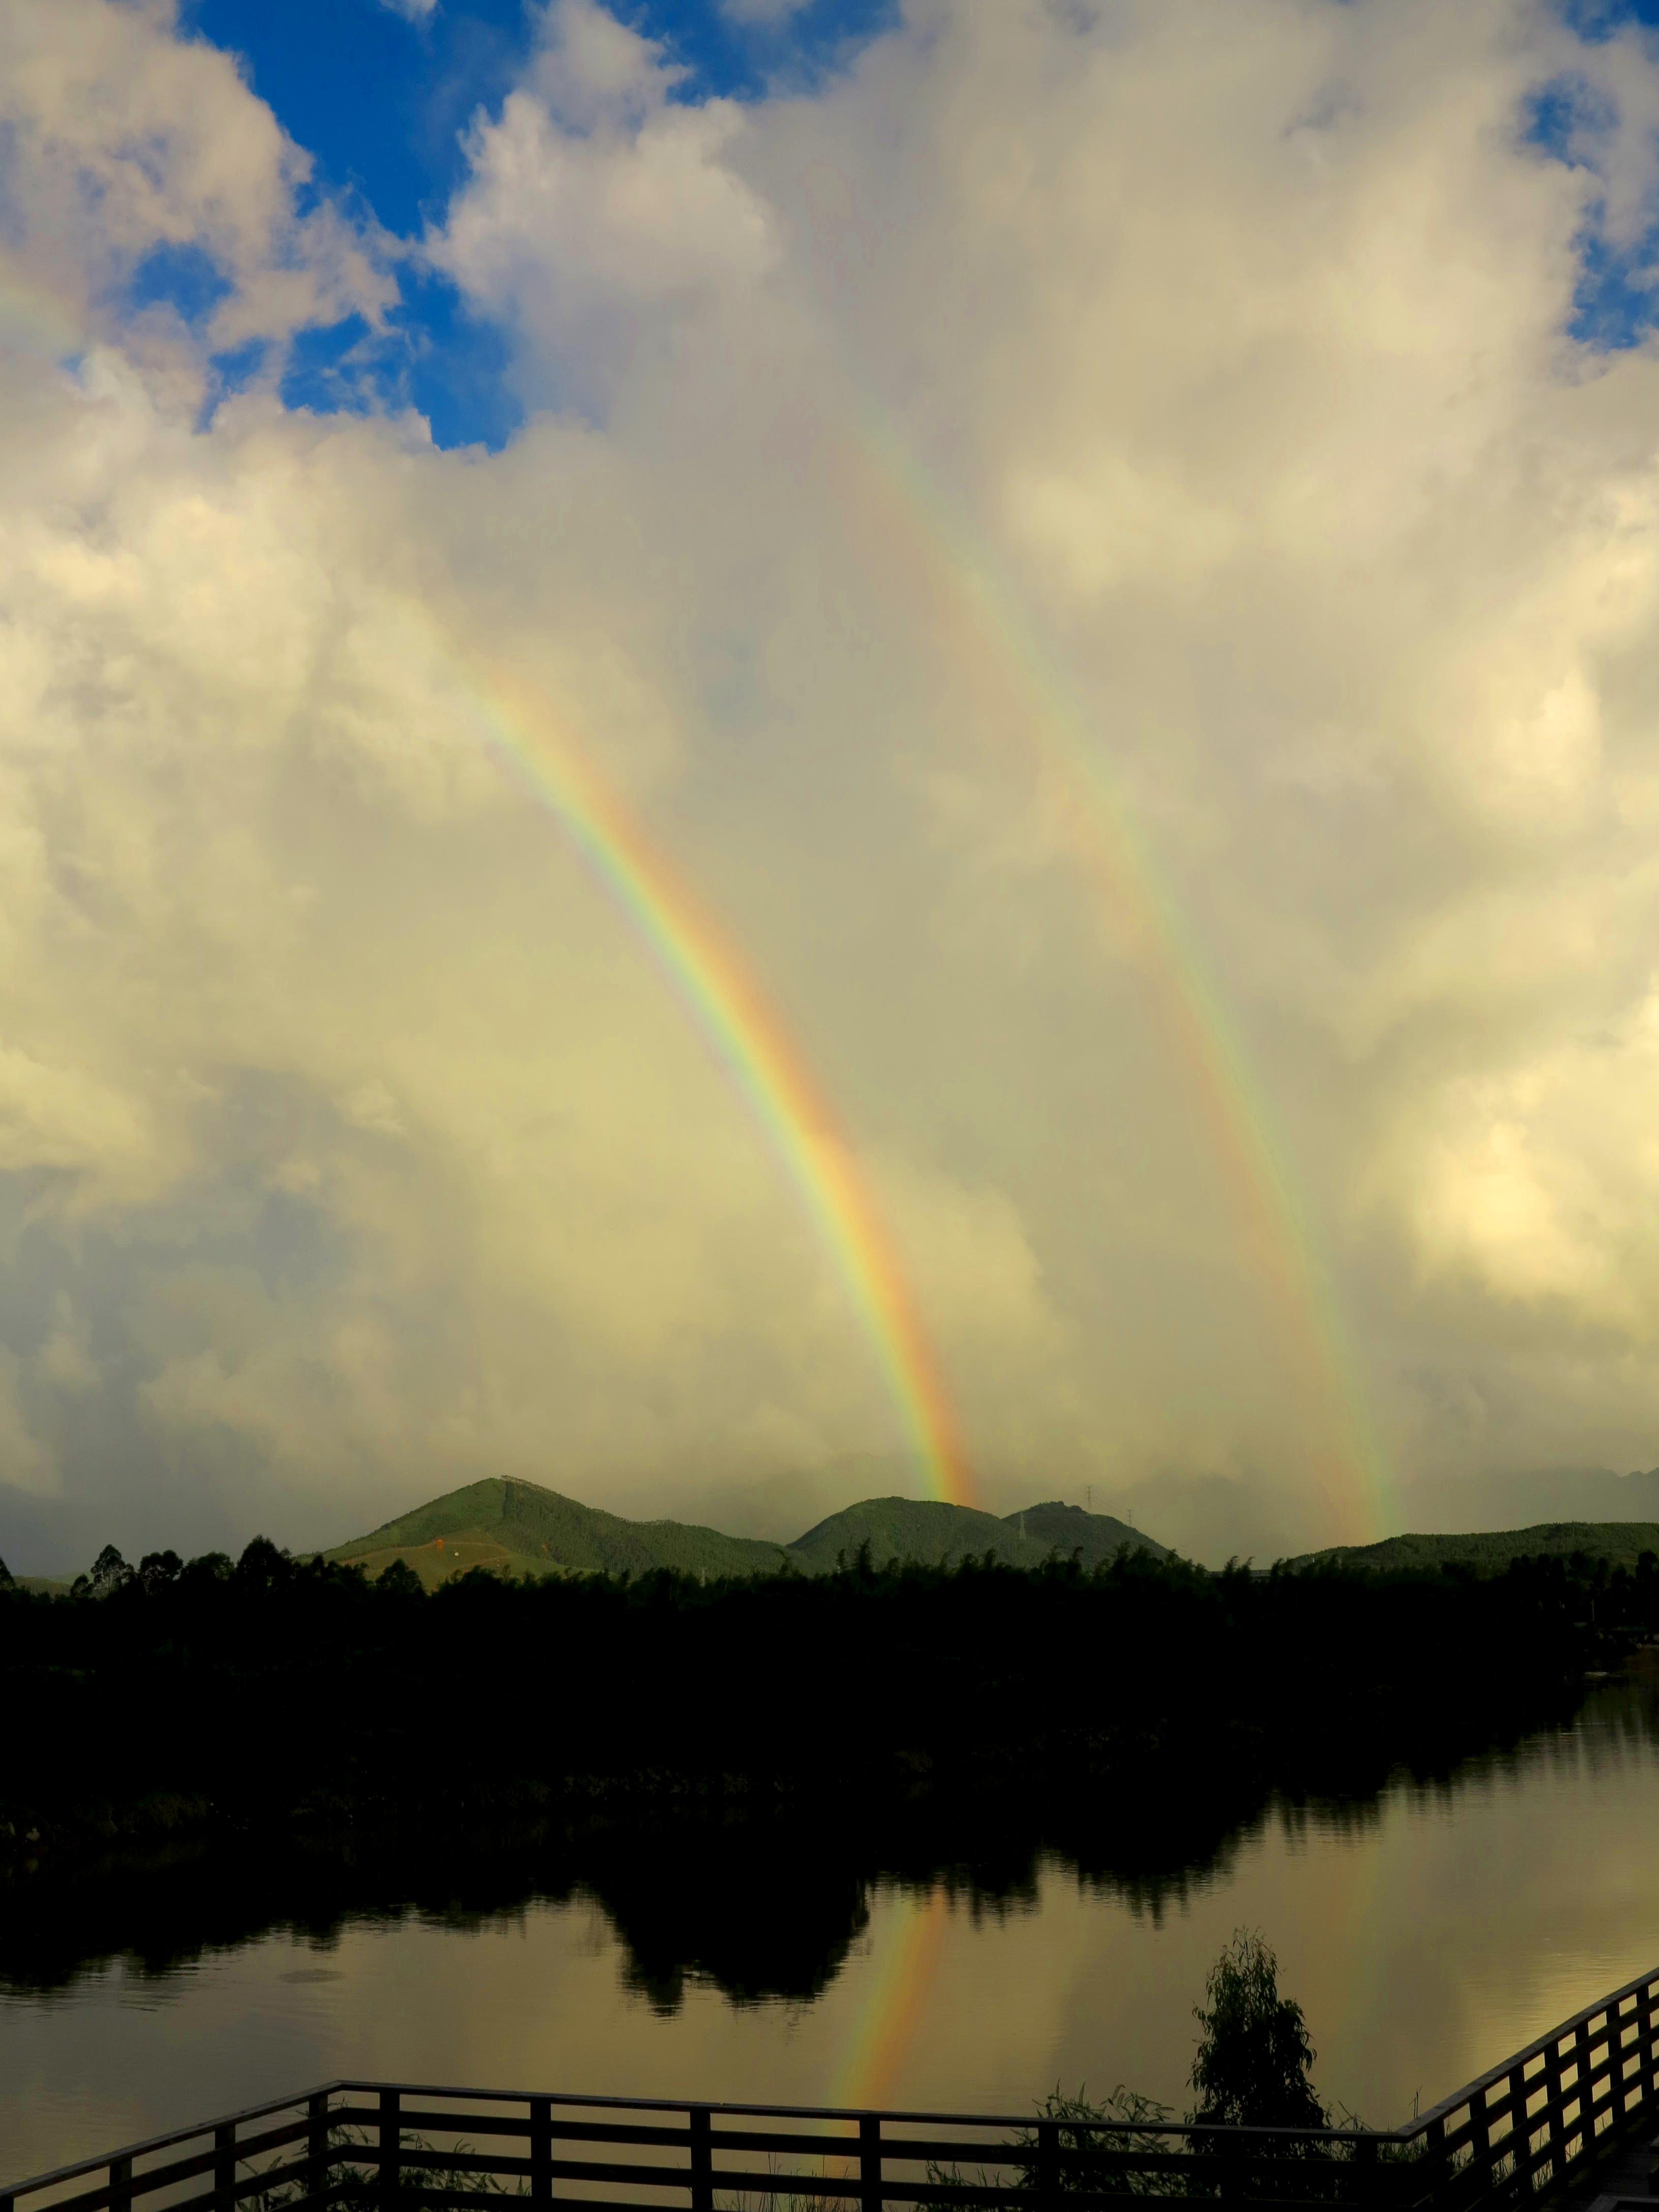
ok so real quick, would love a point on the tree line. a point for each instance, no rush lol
(276, 1688)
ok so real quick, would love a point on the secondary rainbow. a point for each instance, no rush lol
(726, 1003)
(977, 615)
(973, 611)
(34, 319)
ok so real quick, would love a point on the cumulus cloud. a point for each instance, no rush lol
(125, 142)
(601, 211)
(1060, 434)
(26, 1465)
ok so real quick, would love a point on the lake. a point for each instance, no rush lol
(1427, 1932)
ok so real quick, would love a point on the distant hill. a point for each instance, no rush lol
(934, 1533)
(520, 1528)
(1490, 1551)
(1524, 1500)
(37, 1585)
(1098, 1536)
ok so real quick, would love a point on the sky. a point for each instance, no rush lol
(736, 736)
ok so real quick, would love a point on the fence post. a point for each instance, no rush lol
(120, 2184)
(1619, 2054)
(317, 2143)
(391, 2139)
(224, 2167)
(1580, 2051)
(870, 2162)
(541, 2150)
(1555, 2104)
(702, 2160)
(1638, 2088)
(1369, 2178)
(1481, 2140)
(1434, 2153)
(1644, 2038)
(1047, 2165)
(1520, 2130)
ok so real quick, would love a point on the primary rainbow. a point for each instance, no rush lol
(873, 2057)
(715, 985)
(727, 1005)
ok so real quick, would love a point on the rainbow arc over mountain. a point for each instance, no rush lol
(725, 1000)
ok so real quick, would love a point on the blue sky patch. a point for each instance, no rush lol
(1615, 301)
(1616, 305)
(186, 278)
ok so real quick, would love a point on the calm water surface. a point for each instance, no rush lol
(1426, 1933)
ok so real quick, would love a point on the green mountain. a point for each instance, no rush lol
(935, 1533)
(1490, 1551)
(1098, 1536)
(520, 1528)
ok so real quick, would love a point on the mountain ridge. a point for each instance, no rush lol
(520, 1528)
(514, 1526)
(1491, 1550)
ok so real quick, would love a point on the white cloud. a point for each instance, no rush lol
(126, 138)
(1542, 1181)
(25, 1463)
(65, 1361)
(599, 212)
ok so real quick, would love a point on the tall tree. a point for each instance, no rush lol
(1255, 2058)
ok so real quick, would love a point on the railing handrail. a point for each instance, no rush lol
(354, 2085)
(164, 2142)
(1472, 2095)
(1537, 2049)
(849, 2112)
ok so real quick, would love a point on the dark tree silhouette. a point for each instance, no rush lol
(1255, 2058)
(109, 1572)
(261, 1566)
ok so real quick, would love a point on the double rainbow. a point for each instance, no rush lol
(966, 602)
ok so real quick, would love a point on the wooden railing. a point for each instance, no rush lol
(365, 2145)
(1534, 2123)
(1529, 2129)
